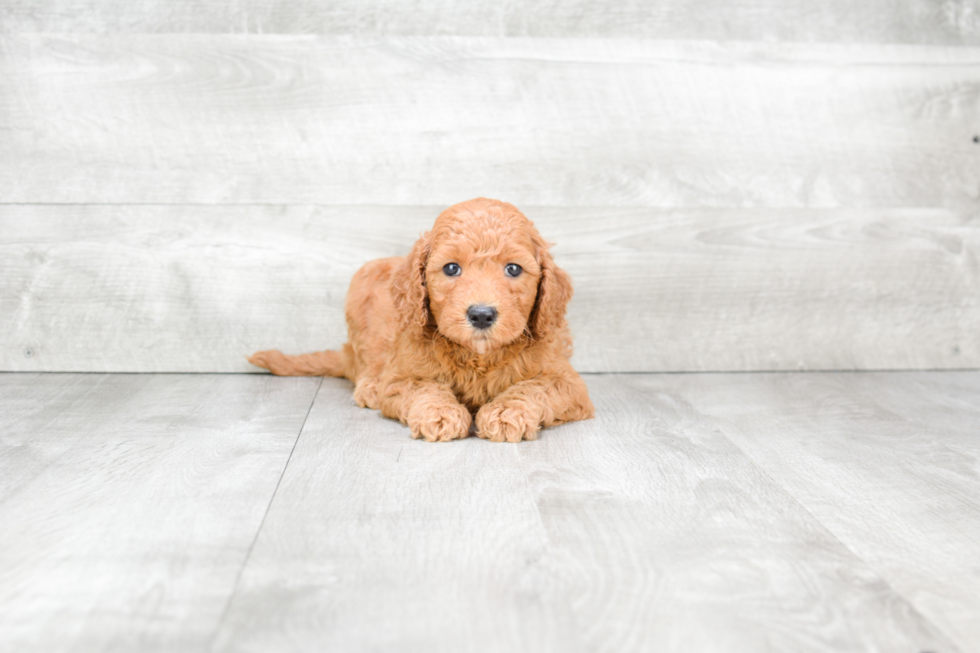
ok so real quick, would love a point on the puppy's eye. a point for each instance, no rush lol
(452, 269)
(513, 270)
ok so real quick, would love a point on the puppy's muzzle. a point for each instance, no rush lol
(481, 317)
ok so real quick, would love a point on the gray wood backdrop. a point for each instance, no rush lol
(733, 185)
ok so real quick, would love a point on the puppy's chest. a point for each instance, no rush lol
(475, 384)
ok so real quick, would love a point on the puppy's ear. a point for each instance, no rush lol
(554, 292)
(408, 289)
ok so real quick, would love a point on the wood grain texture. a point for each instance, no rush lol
(435, 120)
(196, 288)
(41, 417)
(872, 21)
(129, 503)
(888, 462)
(803, 512)
(644, 529)
(376, 541)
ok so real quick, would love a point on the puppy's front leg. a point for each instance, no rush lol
(519, 412)
(430, 409)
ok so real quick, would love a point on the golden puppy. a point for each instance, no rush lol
(470, 326)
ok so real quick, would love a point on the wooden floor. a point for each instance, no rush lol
(699, 512)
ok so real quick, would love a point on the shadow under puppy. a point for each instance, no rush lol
(469, 326)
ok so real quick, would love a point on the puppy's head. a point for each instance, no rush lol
(482, 277)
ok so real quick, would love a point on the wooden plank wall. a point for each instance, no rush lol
(954, 22)
(752, 186)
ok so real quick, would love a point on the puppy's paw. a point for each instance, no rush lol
(366, 394)
(508, 420)
(439, 421)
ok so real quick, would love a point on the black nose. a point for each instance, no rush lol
(481, 316)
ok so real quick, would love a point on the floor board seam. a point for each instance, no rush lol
(258, 531)
(831, 533)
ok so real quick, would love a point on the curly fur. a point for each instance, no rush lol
(413, 354)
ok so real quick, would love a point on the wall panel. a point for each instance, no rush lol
(195, 288)
(871, 21)
(429, 120)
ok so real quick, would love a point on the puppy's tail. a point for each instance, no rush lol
(319, 363)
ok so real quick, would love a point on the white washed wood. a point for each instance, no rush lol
(134, 503)
(40, 416)
(642, 530)
(376, 541)
(673, 540)
(767, 20)
(196, 288)
(888, 462)
(435, 120)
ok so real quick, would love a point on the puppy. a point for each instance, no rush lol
(468, 329)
